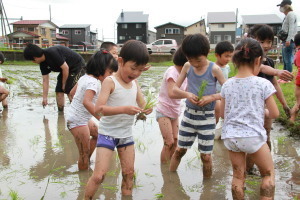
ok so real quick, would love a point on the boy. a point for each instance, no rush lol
(111, 47)
(198, 120)
(223, 53)
(3, 92)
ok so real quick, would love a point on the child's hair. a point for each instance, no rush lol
(101, 61)
(297, 39)
(32, 51)
(107, 45)
(261, 32)
(179, 58)
(246, 51)
(223, 47)
(195, 45)
(136, 51)
(2, 58)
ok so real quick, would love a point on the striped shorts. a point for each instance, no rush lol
(197, 123)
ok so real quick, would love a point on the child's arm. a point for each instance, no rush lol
(282, 74)
(88, 102)
(65, 74)
(101, 108)
(280, 96)
(222, 107)
(272, 107)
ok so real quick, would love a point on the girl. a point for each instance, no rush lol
(243, 107)
(116, 104)
(168, 110)
(82, 108)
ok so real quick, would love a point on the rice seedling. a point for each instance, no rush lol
(113, 188)
(14, 195)
(149, 175)
(202, 88)
(10, 81)
(159, 196)
(63, 194)
(150, 103)
(281, 140)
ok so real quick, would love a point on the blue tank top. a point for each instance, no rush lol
(194, 82)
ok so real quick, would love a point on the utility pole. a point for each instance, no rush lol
(50, 12)
(4, 22)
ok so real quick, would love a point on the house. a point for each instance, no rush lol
(151, 36)
(40, 32)
(197, 27)
(170, 31)
(222, 26)
(132, 25)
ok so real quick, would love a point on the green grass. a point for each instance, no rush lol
(27, 62)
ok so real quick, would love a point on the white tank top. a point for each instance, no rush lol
(120, 125)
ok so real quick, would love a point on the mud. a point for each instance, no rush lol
(38, 155)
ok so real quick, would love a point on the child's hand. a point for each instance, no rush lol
(147, 111)
(285, 75)
(192, 98)
(132, 110)
(205, 100)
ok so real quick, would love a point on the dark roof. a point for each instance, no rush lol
(26, 32)
(168, 23)
(59, 37)
(33, 22)
(75, 26)
(261, 19)
(221, 17)
(132, 17)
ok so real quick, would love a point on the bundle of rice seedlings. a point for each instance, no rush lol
(202, 88)
(150, 103)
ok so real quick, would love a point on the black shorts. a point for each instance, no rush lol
(71, 81)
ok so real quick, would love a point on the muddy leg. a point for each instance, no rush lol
(176, 158)
(60, 101)
(4, 103)
(94, 136)
(268, 127)
(166, 130)
(207, 165)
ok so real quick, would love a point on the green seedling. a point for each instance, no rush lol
(150, 103)
(10, 81)
(202, 88)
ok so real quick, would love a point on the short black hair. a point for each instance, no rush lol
(195, 45)
(32, 51)
(2, 58)
(261, 32)
(136, 51)
(179, 58)
(107, 45)
(101, 61)
(223, 47)
(297, 39)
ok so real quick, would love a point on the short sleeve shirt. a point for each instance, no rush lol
(56, 56)
(245, 106)
(270, 63)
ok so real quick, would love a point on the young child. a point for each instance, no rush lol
(243, 107)
(116, 105)
(223, 53)
(198, 120)
(168, 110)
(82, 108)
(3, 92)
(296, 107)
(111, 47)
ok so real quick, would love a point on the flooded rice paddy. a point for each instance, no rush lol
(38, 156)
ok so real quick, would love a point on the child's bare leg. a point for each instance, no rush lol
(94, 136)
(175, 129)
(3, 93)
(176, 158)
(296, 107)
(82, 138)
(167, 131)
(263, 160)
(207, 165)
(217, 110)
(103, 158)
(60, 100)
(4, 103)
(238, 162)
(268, 127)
(127, 155)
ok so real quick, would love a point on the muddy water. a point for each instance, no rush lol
(38, 154)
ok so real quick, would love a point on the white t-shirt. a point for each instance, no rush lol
(225, 71)
(245, 106)
(77, 108)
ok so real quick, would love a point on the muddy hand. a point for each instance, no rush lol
(285, 75)
(147, 111)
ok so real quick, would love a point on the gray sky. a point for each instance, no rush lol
(102, 15)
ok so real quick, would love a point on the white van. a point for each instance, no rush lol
(162, 46)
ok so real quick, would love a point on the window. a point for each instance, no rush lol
(138, 26)
(168, 41)
(65, 32)
(43, 31)
(172, 31)
(53, 33)
(77, 32)
(217, 38)
(122, 37)
(221, 25)
(159, 42)
(227, 38)
(31, 29)
(124, 26)
(139, 37)
(20, 29)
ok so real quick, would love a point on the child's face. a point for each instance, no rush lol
(114, 52)
(198, 62)
(224, 58)
(129, 70)
(266, 44)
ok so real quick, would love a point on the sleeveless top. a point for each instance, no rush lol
(194, 82)
(120, 125)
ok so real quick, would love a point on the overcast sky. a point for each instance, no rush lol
(103, 14)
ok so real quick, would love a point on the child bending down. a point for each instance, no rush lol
(243, 107)
(168, 110)
(119, 101)
(198, 121)
(3, 92)
(79, 114)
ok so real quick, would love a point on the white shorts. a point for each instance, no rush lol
(248, 144)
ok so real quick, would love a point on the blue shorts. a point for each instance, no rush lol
(111, 143)
(197, 124)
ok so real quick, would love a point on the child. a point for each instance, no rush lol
(198, 120)
(117, 105)
(243, 107)
(3, 92)
(82, 108)
(111, 47)
(223, 53)
(296, 107)
(168, 110)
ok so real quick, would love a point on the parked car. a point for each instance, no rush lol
(162, 46)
